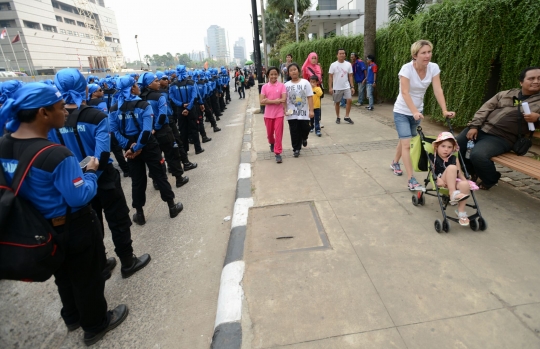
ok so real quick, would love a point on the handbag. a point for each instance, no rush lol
(523, 144)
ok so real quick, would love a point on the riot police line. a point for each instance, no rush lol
(68, 128)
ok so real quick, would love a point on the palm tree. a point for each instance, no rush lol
(286, 7)
(405, 9)
(274, 24)
(370, 26)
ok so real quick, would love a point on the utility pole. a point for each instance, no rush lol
(264, 36)
(296, 18)
(256, 44)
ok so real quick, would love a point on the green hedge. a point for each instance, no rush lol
(468, 36)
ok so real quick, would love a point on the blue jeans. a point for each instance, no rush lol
(405, 125)
(370, 94)
(486, 146)
(361, 92)
(317, 119)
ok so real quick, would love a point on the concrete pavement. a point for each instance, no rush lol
(338, 257)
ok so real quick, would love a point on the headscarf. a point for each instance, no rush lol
(315, 67)
(8, 88)
(161, 74)
(47, 82)
(124, 85)
(146, 79)
(181, 72)
(91, 89)
(72, 85)
(31, 96)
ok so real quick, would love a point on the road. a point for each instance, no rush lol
(173, 300)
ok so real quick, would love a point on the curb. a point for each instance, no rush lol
(228, 326)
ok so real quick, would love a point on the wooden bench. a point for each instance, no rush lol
(523, 164)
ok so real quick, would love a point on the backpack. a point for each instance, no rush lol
(30, 248)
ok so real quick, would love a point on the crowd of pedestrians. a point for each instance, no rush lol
(148, 122)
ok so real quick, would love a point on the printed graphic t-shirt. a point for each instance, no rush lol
(297, 99)
(273, 92)
(341, 73)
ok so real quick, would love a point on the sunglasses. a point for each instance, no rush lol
(165, 79)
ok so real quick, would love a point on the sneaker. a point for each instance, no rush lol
(319, 133)
(271, 148)
(296, 153)
(369, 108)
(338, 120)
(396, 168)
(278, 159)
(414, 185)
(349, 121)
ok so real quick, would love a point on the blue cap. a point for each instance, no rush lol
(31, 96)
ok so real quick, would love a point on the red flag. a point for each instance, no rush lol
(16, 39)
(3, 35)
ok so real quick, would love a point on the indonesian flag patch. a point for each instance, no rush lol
(77, 182)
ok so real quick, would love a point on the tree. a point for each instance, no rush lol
(275, 24)
(286, 7)
(184, 59)
(404, 9)
(370, 26)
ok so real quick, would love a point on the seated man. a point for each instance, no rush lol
(494, 127)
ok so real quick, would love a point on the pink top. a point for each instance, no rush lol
(273, 92)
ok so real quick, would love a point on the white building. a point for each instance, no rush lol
(217, 43)
(57, 36)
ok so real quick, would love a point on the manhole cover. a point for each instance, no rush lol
(285, 228)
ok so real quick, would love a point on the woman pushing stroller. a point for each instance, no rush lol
(447, 170)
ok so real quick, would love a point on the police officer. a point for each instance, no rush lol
(205, 89)
(131, 121)
(183, 94)
(57, 187)
(226, 84)
(200, 109)
(86, 132)
(212, 81)
(162, 131)
(173, 122)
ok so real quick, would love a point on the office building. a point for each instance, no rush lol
(59, 34)
(217, 43)
(240, 49)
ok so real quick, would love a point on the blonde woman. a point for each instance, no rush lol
(414, 79)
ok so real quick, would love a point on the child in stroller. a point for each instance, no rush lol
(449, 175)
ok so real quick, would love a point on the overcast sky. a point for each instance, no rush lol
(179, 25)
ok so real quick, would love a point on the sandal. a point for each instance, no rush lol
(455, 199)
(463, 218)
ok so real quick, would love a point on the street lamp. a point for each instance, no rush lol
(140, 59)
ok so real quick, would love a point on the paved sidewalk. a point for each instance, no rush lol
(338, 257)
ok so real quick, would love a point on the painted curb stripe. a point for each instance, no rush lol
(230, 293)
(244, 171)
(240, 213)
(235, 248)
(243, 188)
(227, 336)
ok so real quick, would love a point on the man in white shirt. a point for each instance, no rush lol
(341, 84)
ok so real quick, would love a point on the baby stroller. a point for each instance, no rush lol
(422, 162)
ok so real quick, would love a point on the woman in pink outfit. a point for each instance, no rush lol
(311, 67)
(273, 97)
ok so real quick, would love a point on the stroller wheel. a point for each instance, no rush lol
(438, 226)
(482, 224)
(473, 224)
(446, 226)
(415, 200)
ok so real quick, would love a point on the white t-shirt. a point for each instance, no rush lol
(297, 99)
(417, 88)
(341, 73)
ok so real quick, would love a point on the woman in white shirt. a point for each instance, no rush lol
(300, 108)
(414, 79)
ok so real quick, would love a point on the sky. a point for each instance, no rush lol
(179, 26)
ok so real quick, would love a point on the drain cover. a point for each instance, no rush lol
(285, 228)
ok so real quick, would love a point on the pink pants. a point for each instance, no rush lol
(274, 132)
